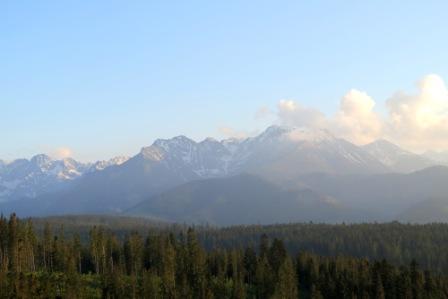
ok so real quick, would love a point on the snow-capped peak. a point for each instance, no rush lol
(395, 157)
(101, 165)
(386, 151)
(42, 161)
(383, 144)
(209, 140)
(294, 134)
(175, 142)
(212, 158)
(276, 150)
(29, 178)
(273, 132)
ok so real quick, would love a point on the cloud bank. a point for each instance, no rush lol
(417, 121)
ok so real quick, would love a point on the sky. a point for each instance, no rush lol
(96, 79)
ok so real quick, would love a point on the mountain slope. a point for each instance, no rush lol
(24, 178)
(288, 153)
(242, 199)
(385, 195)
(431, 210)
(277, 147)
(294, 158)
(398, 159)
(279, 154)
(30, 178)
(441, 157)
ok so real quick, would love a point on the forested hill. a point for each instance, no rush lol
(398, 243)
(160, 264)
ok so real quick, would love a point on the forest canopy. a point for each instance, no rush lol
(201, 263)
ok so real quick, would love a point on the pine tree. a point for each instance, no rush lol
(169, 270)
(417, 281)
(77, 251)
(152, 286)
(404, 285)
(264, 245)
(379, 289)
(264, 278)
(315, 293)
(195, 265)
(430, 285)
(250, 265)
(47, 255)
(13, 242)
(286, 286)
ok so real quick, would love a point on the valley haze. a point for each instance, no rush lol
(284, 174)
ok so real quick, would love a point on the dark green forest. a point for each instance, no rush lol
(57, 258)
(396, 242)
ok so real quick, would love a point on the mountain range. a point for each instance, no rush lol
(41, 174)
(283, 174)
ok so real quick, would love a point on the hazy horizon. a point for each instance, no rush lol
(61, 156)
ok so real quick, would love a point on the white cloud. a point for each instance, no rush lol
(229, 132)
(416, 121)
(62, 152)
(294, 114)
(420, 121)
(356, 120)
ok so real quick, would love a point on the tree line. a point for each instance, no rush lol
(398, 243)
(167, 264)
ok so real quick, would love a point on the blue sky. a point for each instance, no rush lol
(107, 77)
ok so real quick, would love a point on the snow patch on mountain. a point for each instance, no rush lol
(396, 158)
(386, 152)
(101, 165)
(24, 178)
(278, 153)
(212, 158)
(441, 157)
